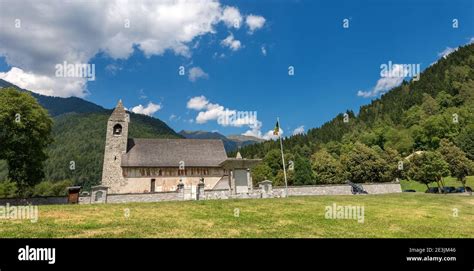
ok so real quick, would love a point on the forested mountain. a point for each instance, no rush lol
(231, 143)
(417, 115)
(79, 138)
(57, 105)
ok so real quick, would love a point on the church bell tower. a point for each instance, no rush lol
(115, 147)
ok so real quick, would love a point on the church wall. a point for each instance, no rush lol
(163, 184)
(172, 172)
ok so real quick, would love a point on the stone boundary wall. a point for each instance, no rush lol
(339, 189)
(144, 197)
(34, 201)
(315, 190)
(382, 188)
(276, 192)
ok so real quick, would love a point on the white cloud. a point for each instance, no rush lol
(394, 78)
(56, 31)
(44, 84)
(447, 51)
(228, 117)
(197, 103)
(212, 112)
(254, 22)
(231, 17)
(196, 73)
(231, 42)
(264, 50)
(173, 117)
(149, 110)
(255, 131)
(222, 115)
(299, 130)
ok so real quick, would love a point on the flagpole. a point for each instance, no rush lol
(282, 158)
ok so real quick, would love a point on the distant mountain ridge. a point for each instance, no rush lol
(231, 143)
(58, 105)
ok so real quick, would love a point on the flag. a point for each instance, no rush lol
(276, 131)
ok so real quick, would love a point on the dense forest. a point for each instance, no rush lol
(422, 115)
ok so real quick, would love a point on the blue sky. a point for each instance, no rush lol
(331, 63)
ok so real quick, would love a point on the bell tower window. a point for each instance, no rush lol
(117, 129)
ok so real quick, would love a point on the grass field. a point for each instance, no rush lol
(449, 181)
(391, 215)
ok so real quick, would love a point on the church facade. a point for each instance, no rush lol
(139, 165)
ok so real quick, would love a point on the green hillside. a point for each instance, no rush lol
(417, 115)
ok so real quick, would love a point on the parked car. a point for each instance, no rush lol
(462, 189)
(448, 189)
(433, 190)
(409, 190)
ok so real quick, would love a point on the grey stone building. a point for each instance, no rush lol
(137, 165)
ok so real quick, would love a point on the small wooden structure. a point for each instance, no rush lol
(73, 194)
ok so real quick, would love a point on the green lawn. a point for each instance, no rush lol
(392, 215)
(448, 181)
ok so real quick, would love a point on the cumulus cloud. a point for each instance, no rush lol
(196, 73)
(231, 17)
(44, 84)
(254, 22)
(299, 130)
(255, 131)
(231, 42)
(115, 27)
(393, 78)
(223, 116)
(197, 103)
(228, 117)
(264, 50)
(148, 110)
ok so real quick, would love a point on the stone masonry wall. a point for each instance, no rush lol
(314, 190)
(34, 201)
(382, 188)
(144, 197)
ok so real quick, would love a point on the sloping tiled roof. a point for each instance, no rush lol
(143, 152)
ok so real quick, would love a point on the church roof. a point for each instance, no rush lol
(144, 152)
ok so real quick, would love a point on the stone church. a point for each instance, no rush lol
(139, 165)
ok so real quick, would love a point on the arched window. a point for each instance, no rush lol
(117, 129)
